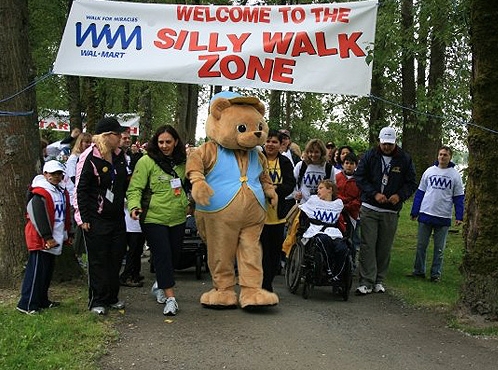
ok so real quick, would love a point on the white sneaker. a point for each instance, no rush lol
(119, 305)
(363, 290)
(158, 293)
(171, 307)
(98, 310)
(379, 288)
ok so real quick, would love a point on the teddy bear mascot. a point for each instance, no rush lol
(231, 188)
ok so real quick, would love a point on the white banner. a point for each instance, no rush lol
(324, 48)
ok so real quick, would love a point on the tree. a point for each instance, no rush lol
(480, 264)
(20, 154)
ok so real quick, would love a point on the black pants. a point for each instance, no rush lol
(335, 251)
(135, 242)
(37, 278)
(105, 245)
(272, 238)
(164, 243)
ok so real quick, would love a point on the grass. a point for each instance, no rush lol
(65, 337)
(68, 337)
(418, 292)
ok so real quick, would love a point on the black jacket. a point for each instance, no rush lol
(402, 177)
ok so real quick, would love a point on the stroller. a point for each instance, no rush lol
(193, 251)
(308, 262)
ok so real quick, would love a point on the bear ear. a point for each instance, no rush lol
(218, 106)
(260, 107)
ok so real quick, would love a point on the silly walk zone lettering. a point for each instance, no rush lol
(269, 45)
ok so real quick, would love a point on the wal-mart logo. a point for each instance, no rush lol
(275, 176)
(110, 38)
(60, 211)
(327, 217)
(440, 182)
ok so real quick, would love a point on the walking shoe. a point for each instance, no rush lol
(131, 283)
(363, 290)
(435, 279)
(171, 307)
(158, 293)
(98, 310)
(119, 305)
(28, 312)
(379, 288)
(52, 304)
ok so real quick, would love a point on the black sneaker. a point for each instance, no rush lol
(435, 279)
(132, 283)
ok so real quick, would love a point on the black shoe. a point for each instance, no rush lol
(413, 275)
(132, 283)
(435, 279)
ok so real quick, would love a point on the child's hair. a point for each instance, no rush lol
(351, 157)
(330, 185)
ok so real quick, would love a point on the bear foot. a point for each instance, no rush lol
(219, 298)
(256, 297)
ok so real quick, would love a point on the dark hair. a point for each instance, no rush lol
(351, 157)
(179, 154)
(351, 150)
(447, 148)
(275, 133)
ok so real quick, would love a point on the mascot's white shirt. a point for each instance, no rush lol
(324, 211)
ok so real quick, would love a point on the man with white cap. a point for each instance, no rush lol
(386, 177)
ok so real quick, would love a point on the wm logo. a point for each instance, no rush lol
(324, 216)
(312, 179)
(110, 38)
(440, 182)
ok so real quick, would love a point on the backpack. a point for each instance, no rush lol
(304, 166)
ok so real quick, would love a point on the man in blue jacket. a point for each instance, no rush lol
(440, 188)
(386, 177)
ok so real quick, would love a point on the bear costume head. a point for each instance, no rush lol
(236, 121)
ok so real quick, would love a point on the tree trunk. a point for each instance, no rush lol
(186, 111)
(20, 140)
(74, 99)
(480, 264)
(411, 134)
(145, 107)
(275, 111)
(90, 95)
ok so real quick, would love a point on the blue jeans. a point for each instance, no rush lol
(424, 235)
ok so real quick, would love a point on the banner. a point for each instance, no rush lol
(323, 48)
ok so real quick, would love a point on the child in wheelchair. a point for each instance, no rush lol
(322, 222)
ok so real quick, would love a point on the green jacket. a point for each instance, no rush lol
(165, 207)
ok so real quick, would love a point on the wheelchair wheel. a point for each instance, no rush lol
(347, 278)
(293, 267)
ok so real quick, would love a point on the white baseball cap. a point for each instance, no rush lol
(53, 166)
(387, 136)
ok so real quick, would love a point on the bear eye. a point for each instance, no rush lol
(260, 127)
(241, 128)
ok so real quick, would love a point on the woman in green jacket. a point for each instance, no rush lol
(156, 195)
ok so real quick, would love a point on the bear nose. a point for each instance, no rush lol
(258, 134)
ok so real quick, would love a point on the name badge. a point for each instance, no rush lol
(385, 179)
(109, 195)
(175, 183)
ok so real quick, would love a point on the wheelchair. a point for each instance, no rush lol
(308, 264)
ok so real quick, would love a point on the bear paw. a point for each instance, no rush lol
(252, 297)
(219, 298)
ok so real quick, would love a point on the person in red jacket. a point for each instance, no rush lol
(49, 222)
(350, 193)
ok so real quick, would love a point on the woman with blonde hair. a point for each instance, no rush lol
(100, 191)
(312, 169)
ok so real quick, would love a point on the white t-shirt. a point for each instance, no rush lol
(440, 186)
(312, 176)
(324, 211)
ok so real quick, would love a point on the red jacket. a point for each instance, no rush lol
(35, 241)
(350, 193)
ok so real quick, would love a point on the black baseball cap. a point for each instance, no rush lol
(109, 124)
